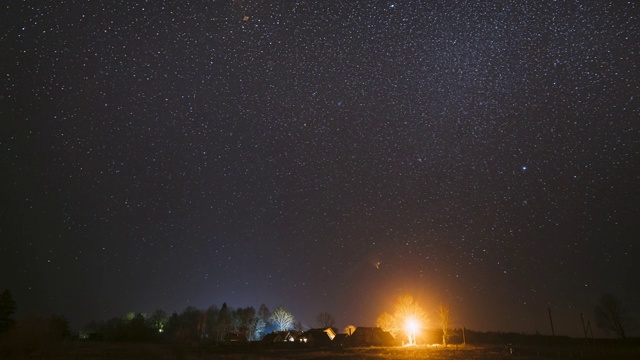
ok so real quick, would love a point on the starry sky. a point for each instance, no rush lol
(327, 156)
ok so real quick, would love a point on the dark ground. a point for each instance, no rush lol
(107, 351)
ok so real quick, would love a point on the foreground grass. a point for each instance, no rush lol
(107, 351)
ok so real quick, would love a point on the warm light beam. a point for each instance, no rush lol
(411, 327)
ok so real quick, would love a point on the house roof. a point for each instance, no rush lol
(370, 336)
(317, 336)
(340, 338)
(278, 336)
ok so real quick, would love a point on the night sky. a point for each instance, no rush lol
(326, 156)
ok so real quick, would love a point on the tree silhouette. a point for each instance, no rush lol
(245, 321)
(443, 313)
(190, 324)
(611, 315)
(137, 329)
(213, 313)
(225, 322)
(172, 326)
(325, 320)
(7, 308)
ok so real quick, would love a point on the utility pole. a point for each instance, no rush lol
(553, 333)
(464, 340)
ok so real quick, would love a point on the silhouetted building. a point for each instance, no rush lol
(280, 336)
(236, 337)
(370, 336)
(317, 337)
(339, 340)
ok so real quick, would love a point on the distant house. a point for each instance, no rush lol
(236, 337)
(280, 337)
(339, 340)
(370, 336)
(317, 337)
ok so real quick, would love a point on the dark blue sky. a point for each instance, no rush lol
(162, 154)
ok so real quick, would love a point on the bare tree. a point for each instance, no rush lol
(213, 315)
(201, 323)
(444, 312)
(611, 315)
(325, 320)
(408, 319)
(282, 318)
(387, 322)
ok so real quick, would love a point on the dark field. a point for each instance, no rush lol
(107, 351)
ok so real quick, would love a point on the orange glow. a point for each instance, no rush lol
(411, 328)
(410, 317)
(411, 325)
(408, 320)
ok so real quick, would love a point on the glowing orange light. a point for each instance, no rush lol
(408, 320)
(411, 327)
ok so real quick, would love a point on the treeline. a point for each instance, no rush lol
(466, 336)
(191, 325)
(30, 334)
(460, 336)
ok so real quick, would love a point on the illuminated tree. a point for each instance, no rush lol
(443, 313)
(325, 320)
(262, 320)
(387, 323)
(611, 315)
(159, 319)
(129, 316)
(258, 330)
(407, 319)
(282, 318)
